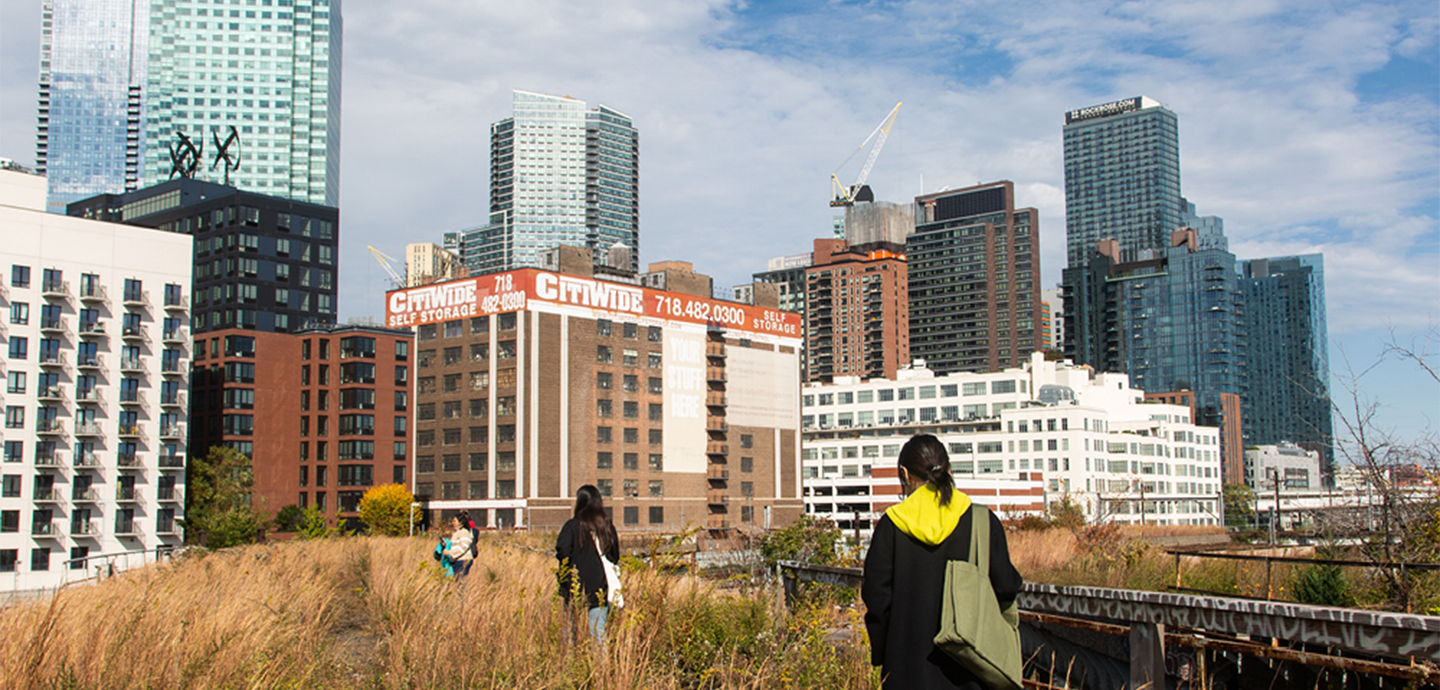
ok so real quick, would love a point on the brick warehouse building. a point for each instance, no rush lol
(323, 414)
(683, 409)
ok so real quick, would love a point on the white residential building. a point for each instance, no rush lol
(95, 320)
(1298, 469)
(1019, 439)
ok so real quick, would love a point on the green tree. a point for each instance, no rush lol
(288, 519)
(1239, 505)
(808, 540)
(386, 510)
(311, 524)
(218, 490)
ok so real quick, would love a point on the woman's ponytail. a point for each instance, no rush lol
(924, 457)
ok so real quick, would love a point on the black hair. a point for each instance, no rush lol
(464, 517)
(590, 514)
(924, 457)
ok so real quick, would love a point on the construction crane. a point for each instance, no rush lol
(396, 278)
(847, 196)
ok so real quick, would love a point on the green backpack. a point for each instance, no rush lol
(974, 629)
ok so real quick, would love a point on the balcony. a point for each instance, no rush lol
(174, 336)
(714, 349)
(172, 400)
(92, 292)
(50, 495)
(713, 448)
(176, 302)
(127, 461)
(167, 494)
(91, 362)
(172, 369)
(130, 432)
(714, 423)
(52, 459)
(133, 333)
(126, 494)
(171, 433)
(52, 359)
(715, 398)
(88, 429)
(716, 374)
(128, 528)
(54, 325)
(717, 498)
(87, 461)
(132, 398)
(136, 298)
(87, 496)
(92, 329)
(717, 522)
(172, 462)
(47, 528)
(52, 394)
(88, 528)
(131, 365)
(717, 473)
(49, 427)
(56, 289)
(166, 529)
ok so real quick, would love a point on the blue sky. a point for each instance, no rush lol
(1309, 127)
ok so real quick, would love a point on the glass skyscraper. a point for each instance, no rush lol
(271, 69)
(119, 79)
(559, 174)
(92, 74)
(1122, 178)
(1288, 392)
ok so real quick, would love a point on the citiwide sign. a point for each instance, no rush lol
(545, 291)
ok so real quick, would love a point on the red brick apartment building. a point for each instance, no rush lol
(323, 413)
(682, 409)
(857, 315)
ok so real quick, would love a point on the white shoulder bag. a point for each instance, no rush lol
(613, 593)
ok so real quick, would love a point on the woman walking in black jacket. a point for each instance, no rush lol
(905, 571)
(582, 540)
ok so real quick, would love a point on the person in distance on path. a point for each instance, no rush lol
(905, 571)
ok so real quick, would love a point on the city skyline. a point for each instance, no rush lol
(745, 117)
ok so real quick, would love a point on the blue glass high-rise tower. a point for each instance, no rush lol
(1288, 392)
(271, 69)
(1122, 178)
(119, 79)
(559, 174)
(92, 77)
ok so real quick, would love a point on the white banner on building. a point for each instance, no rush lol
(685, 385)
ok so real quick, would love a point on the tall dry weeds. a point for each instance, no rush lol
(376, 613)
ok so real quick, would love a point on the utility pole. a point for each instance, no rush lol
(1275, 516)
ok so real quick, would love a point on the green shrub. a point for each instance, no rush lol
(1321, 584)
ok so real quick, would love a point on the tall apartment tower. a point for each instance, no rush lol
(268, 68)
(559, 174)
(92, 79)
(856, 316)
(1288, 374)
(97, 354)
(974, 274)
(1122, 178)
(1173, 321)
(261, 262)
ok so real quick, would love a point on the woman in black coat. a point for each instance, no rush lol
(576, 550)
(905, 571)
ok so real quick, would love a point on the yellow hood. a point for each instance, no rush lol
(921, 515)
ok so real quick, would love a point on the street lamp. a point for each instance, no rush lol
(413, 506)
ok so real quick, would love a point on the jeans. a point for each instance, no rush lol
(598, 616)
